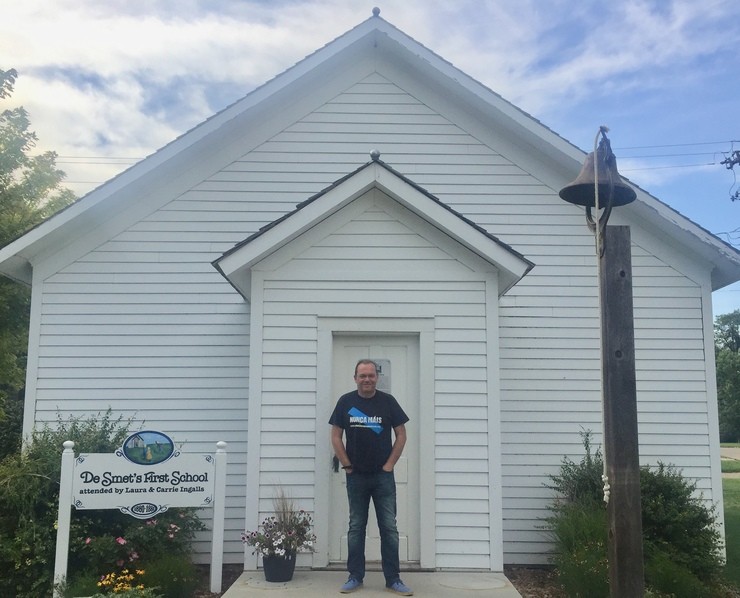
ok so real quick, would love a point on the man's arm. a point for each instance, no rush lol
(397, 450)
(338, 445)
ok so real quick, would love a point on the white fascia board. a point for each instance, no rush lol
(236, 264)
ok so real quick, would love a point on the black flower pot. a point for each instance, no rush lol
(279, 568)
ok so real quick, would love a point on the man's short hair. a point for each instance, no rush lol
(366, 361)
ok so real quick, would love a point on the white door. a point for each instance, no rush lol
(398, 358)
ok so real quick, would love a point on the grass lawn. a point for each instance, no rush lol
(730, 466)
(731, 492)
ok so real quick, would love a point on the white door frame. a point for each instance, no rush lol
(424, 328)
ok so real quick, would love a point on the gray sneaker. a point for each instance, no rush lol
(351, 585)
(400, 588)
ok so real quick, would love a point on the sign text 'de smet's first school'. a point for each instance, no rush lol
(145, 477)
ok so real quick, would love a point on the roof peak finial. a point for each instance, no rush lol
(376, 11)
(375, 155)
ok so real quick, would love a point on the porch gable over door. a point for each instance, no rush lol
(236, 265)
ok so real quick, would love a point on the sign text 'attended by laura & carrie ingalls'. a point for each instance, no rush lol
(145, 477)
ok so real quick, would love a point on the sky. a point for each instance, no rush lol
(107, 83)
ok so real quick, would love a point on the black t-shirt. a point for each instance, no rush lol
(367, 425)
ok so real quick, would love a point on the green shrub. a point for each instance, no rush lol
(681, 542)
(102, 542)
(677, 524)
(580, 562)
(29, 493)
(102, 539)
(81, 585)
(11, 422)
(672, 578)
(164, 575)
(581, 482)
(174, 576)
(109, 540)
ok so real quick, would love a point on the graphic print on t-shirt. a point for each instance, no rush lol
(357, 419)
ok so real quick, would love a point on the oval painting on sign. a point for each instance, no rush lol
(148, 447)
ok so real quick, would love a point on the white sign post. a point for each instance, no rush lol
(145, 477)
(64, 516)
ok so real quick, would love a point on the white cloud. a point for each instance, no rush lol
(125, 77)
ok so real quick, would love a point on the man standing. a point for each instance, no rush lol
(366, 417)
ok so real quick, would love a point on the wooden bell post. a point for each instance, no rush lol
(600, 187)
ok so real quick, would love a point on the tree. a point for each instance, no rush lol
(727, 331)
(30, 192)
(727, 352)
(30, 186)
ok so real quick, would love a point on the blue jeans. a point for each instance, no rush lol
(381, 487)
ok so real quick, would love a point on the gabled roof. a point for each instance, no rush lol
(236, 263)
(167, 172)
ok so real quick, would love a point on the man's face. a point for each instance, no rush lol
(366, 378)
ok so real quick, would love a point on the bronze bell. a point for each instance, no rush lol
(581, 191)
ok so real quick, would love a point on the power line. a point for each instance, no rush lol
(679, 144)
(732, 158)
(67, 159)
(731, 237)
(666, 167)
(95, 160)
(672, 155)
(101, 157)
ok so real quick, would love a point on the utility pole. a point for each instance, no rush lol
(730, 163)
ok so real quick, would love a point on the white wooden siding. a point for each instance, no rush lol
(143, 324)
(154, 334)
(550, 379)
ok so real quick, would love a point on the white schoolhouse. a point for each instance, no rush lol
(223, 288)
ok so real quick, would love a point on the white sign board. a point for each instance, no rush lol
(109, 481)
